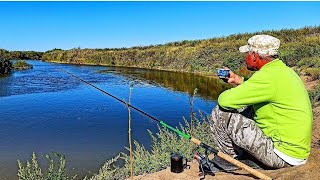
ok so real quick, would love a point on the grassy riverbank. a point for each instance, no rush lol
(201, 56)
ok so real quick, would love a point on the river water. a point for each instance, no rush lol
(45, 110)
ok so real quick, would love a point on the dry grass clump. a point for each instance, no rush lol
(314, 73)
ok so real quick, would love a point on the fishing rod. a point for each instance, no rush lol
(168, 92)
(192, 139)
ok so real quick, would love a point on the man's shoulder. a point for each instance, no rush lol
(261, 75)
(272, 70)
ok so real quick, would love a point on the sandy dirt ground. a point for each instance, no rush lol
(308, 171)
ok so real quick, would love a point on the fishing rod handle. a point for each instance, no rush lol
(231, 160)
(196, 141)
(243, 166)
(201, 144)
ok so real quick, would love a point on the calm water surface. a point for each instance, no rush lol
(45, 110)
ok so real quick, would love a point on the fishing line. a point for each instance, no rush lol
(182, 100)
(167, 90)
(105, 92)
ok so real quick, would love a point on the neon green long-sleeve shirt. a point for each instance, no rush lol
(282, 107)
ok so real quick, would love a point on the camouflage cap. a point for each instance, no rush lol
(262, 44)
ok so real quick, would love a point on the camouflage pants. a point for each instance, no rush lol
(234, 132)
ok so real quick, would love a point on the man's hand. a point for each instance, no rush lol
(233, 78)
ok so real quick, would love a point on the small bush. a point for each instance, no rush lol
(21, 65)
(314, 96)
(313, 62)
(314, 73)
(233, 64)
(32, 170)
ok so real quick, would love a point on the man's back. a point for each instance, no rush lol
(290, 115)
(283, 109)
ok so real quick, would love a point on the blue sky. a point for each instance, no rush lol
(42, 26)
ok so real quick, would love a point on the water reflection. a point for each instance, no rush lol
(3, 85)
(208, 87)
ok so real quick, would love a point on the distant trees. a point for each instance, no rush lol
(6, 56)
(20, 55)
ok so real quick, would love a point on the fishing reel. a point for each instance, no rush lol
(205, 165)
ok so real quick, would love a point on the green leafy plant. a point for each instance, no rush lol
(313, 62)
(314, 96)
(32, 171)
(20, 64)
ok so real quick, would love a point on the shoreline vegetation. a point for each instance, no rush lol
(21, 65)
(300, 49)
(5, 67)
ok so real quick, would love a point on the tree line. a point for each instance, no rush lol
(20, 55)
(6, 56)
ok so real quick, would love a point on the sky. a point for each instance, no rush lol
(42, 26)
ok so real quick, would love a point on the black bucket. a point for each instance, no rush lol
(176, 163)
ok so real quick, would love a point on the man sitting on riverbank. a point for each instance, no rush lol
(279, 132)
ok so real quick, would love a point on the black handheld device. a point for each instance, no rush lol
(223, 73)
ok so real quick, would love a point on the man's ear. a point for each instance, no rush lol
(256, 56)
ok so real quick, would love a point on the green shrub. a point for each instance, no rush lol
(21, 65)
(233, 64)
(32, 170)
(314, 96)
(291, 53)
(309, 62)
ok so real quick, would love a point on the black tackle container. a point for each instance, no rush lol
(176, 163)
